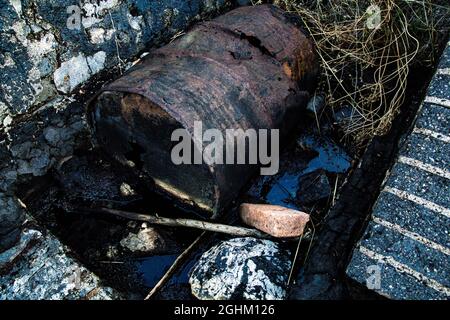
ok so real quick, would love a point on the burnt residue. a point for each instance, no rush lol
(255, 42)
(86, 180)
(91, 180)
(135, 155)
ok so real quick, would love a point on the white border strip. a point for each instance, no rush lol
(402, 268)
(439, 101)
(412, 235)
(420, 201)
(424, 166)
(433, 134)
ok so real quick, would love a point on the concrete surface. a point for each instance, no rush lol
(405, 250)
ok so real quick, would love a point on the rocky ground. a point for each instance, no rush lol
(54, 55)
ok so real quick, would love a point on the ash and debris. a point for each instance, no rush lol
(117, 250)
(130, 256)
(36, 144)
(295, 186)
(309, 172)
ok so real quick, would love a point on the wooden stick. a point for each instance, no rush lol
(179, 261)
(189, 223)
(175, 266)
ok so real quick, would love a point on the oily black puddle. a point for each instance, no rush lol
(131, 256)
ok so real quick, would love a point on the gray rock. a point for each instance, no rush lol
(21, 150)
(39, 162)
(78, 70)
(52, 135)
(149, 241)
(241, 268)
(12, 216)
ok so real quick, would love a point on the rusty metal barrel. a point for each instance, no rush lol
(249, 68)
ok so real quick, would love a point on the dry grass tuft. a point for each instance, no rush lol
(366, 50)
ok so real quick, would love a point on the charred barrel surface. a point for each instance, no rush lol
(250, 68)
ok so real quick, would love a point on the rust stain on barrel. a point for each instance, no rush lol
(249, 68)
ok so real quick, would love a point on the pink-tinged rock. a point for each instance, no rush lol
(277, 221)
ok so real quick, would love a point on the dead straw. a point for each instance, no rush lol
(366, 49)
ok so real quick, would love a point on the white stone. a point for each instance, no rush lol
(71, 73)
(7, 121)
(37, 49)
(241, 268)
(146, 240)
(126, 190)
(97, 62)
(77, 70)
(17, 5)
(135, 22)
